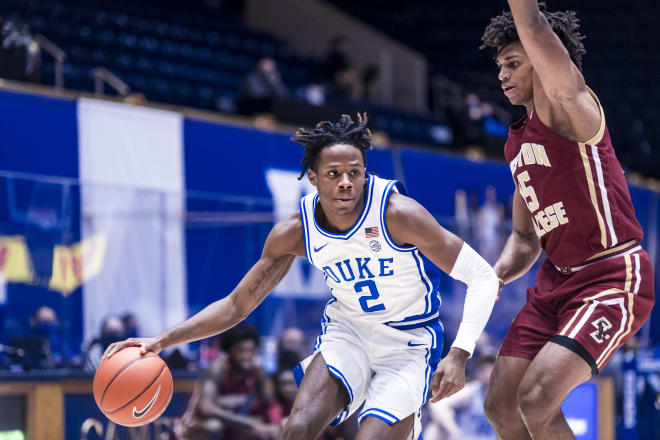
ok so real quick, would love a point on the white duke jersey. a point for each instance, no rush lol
(374, 280)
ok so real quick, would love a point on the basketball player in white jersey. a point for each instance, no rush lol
(381, 338)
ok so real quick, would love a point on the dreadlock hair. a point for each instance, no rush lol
(327, 134)
(502, 31)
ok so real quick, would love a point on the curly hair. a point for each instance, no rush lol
(238, 334)
(327, 134)
(502, 31)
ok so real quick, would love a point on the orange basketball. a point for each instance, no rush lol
(133, 389)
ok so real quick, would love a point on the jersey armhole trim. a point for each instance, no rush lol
(303, 219)
(383, 210)
(601, 130)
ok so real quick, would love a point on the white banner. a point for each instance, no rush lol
(132, 192)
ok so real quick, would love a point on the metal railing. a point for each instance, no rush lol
(57, 53)
(102, 75)
(446, 93)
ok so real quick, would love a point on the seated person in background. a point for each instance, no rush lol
(461, 416)
(338, 73)
(44, 347)
(233, 399)
(20, 55)
(130, 324)
(285, 392)
(290, 348)
(112, 330)
(259, 87)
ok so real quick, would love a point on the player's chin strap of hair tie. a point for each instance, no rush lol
(482, 287)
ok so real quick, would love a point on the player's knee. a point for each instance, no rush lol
(532, 400)
(496, 408)
(490, 407)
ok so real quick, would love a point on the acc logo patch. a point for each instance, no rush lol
(375, 245)
(603, 326)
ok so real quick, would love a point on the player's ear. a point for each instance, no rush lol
(311, 175)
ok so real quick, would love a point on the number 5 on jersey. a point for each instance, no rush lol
(527, 192)
(373, 295)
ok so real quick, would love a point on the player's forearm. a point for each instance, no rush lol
(213, 319)
(482, 287)
(525, 13)
(223, 314)
(519, 254)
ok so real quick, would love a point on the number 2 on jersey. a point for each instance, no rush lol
(371, 285)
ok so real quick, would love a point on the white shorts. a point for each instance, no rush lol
(386, 369)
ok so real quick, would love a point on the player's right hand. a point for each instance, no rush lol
(145, 344)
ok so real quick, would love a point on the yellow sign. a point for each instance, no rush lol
(72, 265)
(78, 263)
(15, 260)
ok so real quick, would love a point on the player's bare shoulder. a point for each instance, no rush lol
(404, 217)
(401, 210)
(286, 237)
(409, 223)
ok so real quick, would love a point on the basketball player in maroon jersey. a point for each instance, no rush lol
(595, 290)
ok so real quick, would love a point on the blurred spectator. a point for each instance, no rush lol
(112, 330)
(490, 219)
(259, 88)
(495, 131)
(461, 415)
(177, 360)
(20, 57)
(130, 325)
(233, 399)
(285, 392)
(637, 390)
(472, 129)
(369, 79)
(209, 351)
(487, 345)
(44, 347)
(338, 73)
(290, 348)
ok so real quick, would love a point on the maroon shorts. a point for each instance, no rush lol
(592, 311)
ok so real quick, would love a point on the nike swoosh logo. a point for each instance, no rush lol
(316, 249)
(410, 344)
(139, 414)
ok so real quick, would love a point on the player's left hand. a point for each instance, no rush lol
(450, 375)
(500, 281)
(145, 344)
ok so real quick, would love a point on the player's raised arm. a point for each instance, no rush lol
(560, 78)
(284, 242)
(410, 223)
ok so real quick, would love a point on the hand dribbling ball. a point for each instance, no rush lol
(133, 389)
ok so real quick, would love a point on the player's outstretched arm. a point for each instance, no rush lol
(522, 248)
(560, 78)
(284, 242)
(410, 223)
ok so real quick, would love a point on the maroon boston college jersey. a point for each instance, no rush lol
(576, 192)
